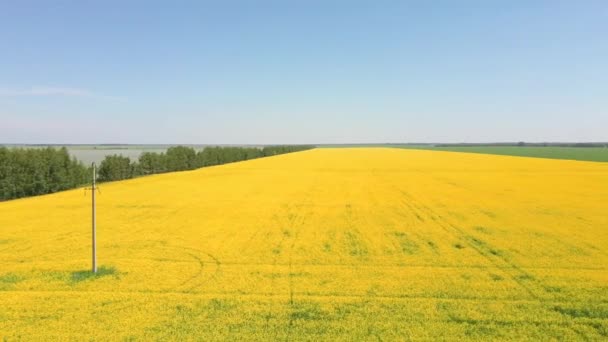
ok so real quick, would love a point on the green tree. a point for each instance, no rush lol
(35, 171)
(115, 167)
(180, 158)
(151, 162)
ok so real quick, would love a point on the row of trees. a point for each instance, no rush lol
(35, 171)
(179, 158)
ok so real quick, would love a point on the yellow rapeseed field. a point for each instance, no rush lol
(326, 244)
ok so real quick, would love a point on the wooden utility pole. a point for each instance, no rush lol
(94, 243)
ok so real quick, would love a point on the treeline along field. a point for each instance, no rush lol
(180, 158)
(30, 172)
(36, 171)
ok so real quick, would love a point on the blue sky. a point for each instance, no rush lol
(303, 71)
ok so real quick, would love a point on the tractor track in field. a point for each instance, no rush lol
(292, 217)
(397, 265)
(297, 222)
(492, 255)
(198, 280)
(495, 257)
(225, 264)
(342, 296)
(277, 250)
(538, 290)
(290, 277)
(291, 221)
(278, 247)
(200, 258)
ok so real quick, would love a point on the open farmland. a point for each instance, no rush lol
(331, 244)
(599, 154)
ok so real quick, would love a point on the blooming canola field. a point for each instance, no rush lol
(325, 244)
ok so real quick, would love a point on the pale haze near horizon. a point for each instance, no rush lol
(275, 72)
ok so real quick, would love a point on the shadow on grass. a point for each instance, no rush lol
(102, 271)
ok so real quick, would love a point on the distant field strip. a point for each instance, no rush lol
(598, 154)
(326, 244)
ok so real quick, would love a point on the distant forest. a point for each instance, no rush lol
(36, 171)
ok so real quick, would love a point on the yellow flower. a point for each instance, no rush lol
(325, 244)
